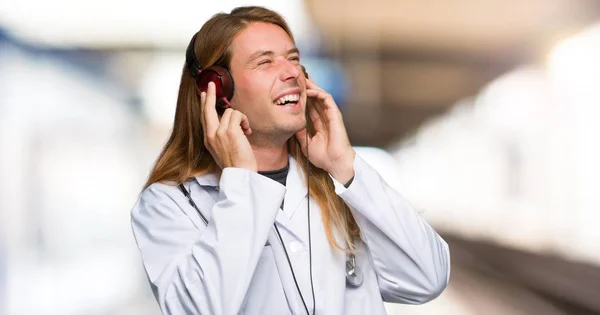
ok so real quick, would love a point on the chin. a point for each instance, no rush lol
(292, 127)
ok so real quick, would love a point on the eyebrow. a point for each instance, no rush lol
(262, 53)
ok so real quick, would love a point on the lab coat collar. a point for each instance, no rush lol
(208, 179)
(295, 183)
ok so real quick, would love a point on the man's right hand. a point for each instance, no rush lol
(226, 139)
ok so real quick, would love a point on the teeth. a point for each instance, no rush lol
(288, 98)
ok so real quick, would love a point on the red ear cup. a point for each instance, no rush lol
(223, 85)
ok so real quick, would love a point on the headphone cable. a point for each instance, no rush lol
(312, 288)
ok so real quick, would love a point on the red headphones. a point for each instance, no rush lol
(217, 74)
(223, 80)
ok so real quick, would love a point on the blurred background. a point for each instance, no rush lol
(489, 110)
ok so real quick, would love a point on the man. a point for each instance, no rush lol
(226, 225)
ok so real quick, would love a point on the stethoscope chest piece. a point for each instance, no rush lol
(354, 276)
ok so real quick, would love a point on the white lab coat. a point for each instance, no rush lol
(237, 265)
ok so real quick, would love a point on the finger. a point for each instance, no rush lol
(326, 100)
(317, 93)
(316, 118)
(210, 112)
(246, 125)
(202, 104)
(224, 123)
(239, 120)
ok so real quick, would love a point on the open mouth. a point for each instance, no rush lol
(290, 99)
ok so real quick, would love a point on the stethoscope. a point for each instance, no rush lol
(354, 276)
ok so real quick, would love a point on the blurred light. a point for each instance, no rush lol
(513, 100)
(574, 63)
(576, 72)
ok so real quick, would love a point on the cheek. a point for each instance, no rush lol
(242, 91)
(251, 90)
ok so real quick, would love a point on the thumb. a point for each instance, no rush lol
(302, 137)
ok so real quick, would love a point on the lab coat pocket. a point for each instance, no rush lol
(265, 294)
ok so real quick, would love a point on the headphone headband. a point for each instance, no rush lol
(190, 59)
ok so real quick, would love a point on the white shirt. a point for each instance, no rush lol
(237, 265)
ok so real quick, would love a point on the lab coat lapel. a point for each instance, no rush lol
(296, 188)
(295, 193)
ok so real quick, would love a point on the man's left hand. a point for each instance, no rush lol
(329, 148)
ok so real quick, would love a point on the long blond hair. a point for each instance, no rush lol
(185, 156)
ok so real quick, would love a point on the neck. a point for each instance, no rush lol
(271, 158)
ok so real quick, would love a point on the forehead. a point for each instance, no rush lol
(260, 36)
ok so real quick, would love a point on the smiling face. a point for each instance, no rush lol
(270, 88)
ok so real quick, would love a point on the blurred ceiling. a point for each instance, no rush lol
(411, 59)
(125, 24)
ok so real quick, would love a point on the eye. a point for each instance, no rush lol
(295, 59)
(264, 62)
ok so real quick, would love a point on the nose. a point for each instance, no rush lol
(289, 70)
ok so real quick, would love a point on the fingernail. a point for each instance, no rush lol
(211, 82)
